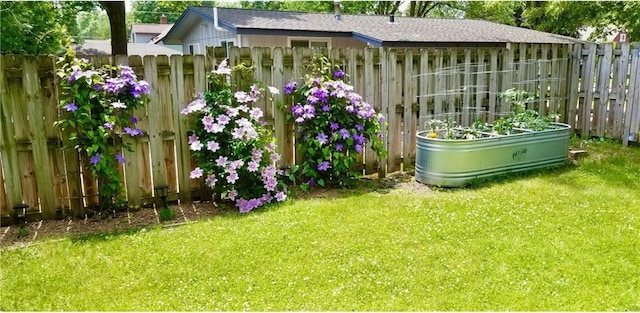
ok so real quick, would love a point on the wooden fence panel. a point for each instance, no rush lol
(603, 85)
(183, 155)
(620, 85)
(8, 147)
(632, 121)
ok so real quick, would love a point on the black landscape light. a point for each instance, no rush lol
(162, 191)
(21, 214)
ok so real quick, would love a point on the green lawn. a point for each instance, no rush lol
(566, 239)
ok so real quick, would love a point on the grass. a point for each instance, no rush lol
(565, 239)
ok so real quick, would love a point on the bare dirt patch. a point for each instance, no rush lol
(185, 213)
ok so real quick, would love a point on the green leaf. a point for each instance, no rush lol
(321, 182)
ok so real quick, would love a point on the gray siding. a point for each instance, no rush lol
(202, 35)
(283, 41)
(142, 38)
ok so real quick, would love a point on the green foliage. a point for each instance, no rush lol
(151, 11)
(93, 25)
(166, 214)
(561, 17)
(97, 106)
(30, 27)
(333, 123)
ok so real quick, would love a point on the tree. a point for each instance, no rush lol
(151, 11)
(93, 25)
(30, 28)
(116, 12)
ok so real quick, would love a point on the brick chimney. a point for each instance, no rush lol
(337, 6)
(163, 19)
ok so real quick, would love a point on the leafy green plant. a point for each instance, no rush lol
(233, 150)
(333, 124)
(166, 214)
(97, 107)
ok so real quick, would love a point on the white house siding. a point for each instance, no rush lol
(142, 38)
(283, 41)
(203, 35)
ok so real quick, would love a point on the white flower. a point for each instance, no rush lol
(118, 105)
(273, 90)
(223, 68)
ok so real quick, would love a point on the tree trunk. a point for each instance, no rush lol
(116, 12)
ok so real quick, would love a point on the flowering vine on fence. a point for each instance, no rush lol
(333, 123)
(97, 111)
(234, 152)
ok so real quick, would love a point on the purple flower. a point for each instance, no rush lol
(380, 118)
(297, 109)
(323, 166)
(334, 125)
(338, 74)
(339, 147)
(142, 87)
(71, 107)
(322, 138)
(311, 182)
(344, 133)
(359, 138)
(359, 148)
(359, 127)
(325, 108)
(133, 119)
(108, 125)
(95, 159)
(120, 158)
(290, 87)
(97, 87)
(133, 132)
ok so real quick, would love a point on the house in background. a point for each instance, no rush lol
(144, 33)
(147, 33)
(103, 47)
(621, 36)
(199, 27)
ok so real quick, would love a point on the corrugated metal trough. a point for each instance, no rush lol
(455, 163)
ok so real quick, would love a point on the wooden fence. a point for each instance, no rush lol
(407, 86)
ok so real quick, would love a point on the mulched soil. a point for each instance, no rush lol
(184, 213)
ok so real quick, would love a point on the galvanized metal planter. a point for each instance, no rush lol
(455, 163)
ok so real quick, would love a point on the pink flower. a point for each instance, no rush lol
(253, 166)
(223, 119)
(211, 180)
(196, 145)
(281, 196)
(196, 173)
(221, 161)
(213, 146)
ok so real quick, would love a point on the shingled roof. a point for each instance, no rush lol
(374, 29)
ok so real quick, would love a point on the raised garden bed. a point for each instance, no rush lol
(455, 163)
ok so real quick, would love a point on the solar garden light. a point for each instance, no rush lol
(165, 213)
(162, 191)
(21, 214)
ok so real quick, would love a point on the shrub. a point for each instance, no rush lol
(233, 150)
(333, 123)
(97, 109)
